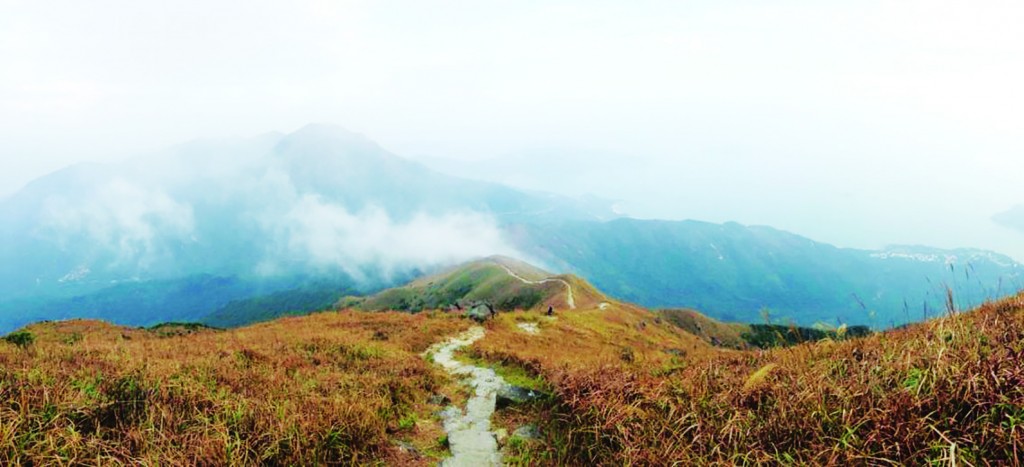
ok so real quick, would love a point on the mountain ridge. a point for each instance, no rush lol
(733, 272)
(502, 283)
(306, 203)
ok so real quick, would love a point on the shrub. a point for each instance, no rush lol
(21, 338)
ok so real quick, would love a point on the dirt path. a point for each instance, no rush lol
(470, 438)
(569, 299)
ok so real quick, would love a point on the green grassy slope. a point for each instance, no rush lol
(487, 280)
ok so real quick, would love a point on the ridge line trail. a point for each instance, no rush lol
(470, 439)
(568, 299)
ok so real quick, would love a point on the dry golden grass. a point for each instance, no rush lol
(942, 391)
(330, 388)
(618, 338)
(629, 389)
(618, 335)
(710, 330)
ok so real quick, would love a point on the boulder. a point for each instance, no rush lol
(479, 313)
(527, 432)
(515, 395)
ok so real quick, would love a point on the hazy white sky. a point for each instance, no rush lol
(857, 123)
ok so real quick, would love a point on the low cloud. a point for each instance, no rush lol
(324, 234)
(127, 219)
(138, 221)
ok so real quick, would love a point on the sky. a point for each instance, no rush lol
(861, 124)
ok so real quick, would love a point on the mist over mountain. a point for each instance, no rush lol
(262, 214)
(288, 223)
(321, 198)
(733, 272)
(1012, 218)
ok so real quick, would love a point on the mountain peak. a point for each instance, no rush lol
(327, 131)
(317, 144)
